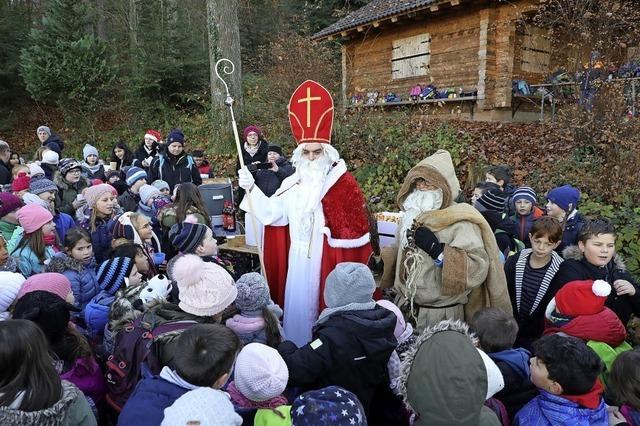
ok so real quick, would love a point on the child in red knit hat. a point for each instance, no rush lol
(578, 310)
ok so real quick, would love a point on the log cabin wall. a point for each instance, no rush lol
(472, 46)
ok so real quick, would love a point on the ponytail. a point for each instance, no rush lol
(271, 328)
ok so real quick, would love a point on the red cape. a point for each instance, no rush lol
(345, 237)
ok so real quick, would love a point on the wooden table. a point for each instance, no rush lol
(251, 251)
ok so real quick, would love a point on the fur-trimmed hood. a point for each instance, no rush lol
(443, 377)
(62, 262)
(574, 253)
(438, 170)
(52, 416)
(58, 179)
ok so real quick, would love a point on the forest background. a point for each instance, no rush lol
(99, 71)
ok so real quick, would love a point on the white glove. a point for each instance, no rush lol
(245, 179)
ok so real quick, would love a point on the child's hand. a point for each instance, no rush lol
(624, 287)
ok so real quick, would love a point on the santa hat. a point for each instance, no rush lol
(586, 297)
(154, 135)
(311, 113)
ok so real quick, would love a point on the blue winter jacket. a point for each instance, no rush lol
(63, 222)
(28, 262)
(547, 409)
(84, 282)
(96, 314)
(147, 402)
(100, 238)
(570, 233)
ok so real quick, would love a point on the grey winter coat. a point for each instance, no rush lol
(72, 409)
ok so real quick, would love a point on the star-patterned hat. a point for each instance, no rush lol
(331, 405)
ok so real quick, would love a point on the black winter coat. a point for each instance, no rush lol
(576, 267)
(269, 181)
(5, 173)
(175, 171)
(530, 327)
(141, 154)
(352, 349)
(260, 156)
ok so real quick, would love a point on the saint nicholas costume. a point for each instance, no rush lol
(309, 230)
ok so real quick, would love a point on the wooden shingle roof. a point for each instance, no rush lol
(374, 11)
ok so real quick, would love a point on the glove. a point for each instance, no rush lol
(245, 179)
(427, 241)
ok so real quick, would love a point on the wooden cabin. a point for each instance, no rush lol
(474, 48)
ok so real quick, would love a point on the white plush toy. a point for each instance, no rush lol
(158, 288)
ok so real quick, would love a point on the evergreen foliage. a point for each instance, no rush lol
(64, 64)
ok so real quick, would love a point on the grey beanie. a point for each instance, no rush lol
(349, 282)
(44, 129)
(253, 293)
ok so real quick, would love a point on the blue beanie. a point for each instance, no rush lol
(525, 193)
(564, 195)
(331, 405)
(175, 135)
(134, 174)
(112, 273)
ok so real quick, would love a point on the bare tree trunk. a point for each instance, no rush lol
(224, 42)
(133, 28)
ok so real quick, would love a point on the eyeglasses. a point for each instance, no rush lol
(75, 171)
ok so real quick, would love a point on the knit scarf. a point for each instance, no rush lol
(92, 169)
(50, 240)
(148, 211)
(251, 150)
(239, 400)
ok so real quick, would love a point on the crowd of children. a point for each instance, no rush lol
(116, 308)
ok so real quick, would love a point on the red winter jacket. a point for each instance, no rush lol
(604, 327)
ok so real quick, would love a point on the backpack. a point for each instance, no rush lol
(607, 354)
(428, 92)
(134, 346)
(518, 245)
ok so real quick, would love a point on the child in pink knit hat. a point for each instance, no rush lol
(51, 282)
(37, 244)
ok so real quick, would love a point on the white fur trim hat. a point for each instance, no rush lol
(205, 289)
(50, 157)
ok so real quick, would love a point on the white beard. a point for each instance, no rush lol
(312, 177)
(415, 204)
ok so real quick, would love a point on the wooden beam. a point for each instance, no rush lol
(376, 24)
(344, 33)
(330, 38)
(394, 19)
(434, 8)
(455, 2)
(360, 29)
